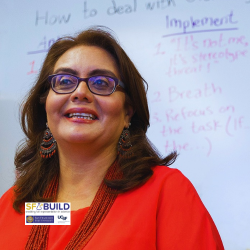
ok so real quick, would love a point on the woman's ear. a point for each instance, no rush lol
(129, 112)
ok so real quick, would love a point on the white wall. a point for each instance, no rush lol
(194, 55)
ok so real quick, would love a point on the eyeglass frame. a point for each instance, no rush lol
(86, 80)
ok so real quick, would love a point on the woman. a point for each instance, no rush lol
(85, 121)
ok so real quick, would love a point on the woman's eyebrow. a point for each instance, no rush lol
(93, 72)
(102, 72)
(66, 70)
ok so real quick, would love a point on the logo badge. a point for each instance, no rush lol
(47, 213)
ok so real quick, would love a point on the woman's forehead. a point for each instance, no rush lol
(83, 59)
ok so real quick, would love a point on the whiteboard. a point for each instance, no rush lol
(194, 54)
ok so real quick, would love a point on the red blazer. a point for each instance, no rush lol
(165, 213)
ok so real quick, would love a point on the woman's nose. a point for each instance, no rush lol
(82, 92)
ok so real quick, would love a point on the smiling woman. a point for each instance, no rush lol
(87, 116)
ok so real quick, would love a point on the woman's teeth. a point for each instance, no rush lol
(82, 115)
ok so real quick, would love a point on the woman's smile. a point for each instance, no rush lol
(81, 115)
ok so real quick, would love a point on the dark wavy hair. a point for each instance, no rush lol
(35, 173)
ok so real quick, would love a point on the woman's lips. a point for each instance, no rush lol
(82, 116)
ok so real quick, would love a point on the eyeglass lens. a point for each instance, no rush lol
(102, 85)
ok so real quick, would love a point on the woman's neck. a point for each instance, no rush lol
(81, 173)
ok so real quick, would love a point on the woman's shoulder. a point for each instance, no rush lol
(165, 171)
(7, 199)
(8, 195)
(180, 208)
(172, 185)
(6, 203)
(12, 223)
(171, 176)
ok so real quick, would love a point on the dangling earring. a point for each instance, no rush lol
(124, 144)
(48, 145)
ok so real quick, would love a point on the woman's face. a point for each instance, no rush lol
(100, 119)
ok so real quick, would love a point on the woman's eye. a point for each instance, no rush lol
(66, 81)
(100, 82)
